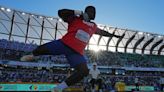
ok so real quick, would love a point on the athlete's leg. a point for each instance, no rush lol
(78, 62)
(41, 50)
(81, 71)
(50, 48)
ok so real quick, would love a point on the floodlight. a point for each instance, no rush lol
(141, 33)
(23, 13)
(2, 8)
(50, 18)
(8, 10)
(40, 17)
(32, 15)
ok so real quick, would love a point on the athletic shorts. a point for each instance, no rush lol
(57, 47)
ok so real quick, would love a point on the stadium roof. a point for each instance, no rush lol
(33, 28)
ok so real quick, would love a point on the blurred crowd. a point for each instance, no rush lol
(125, 59)
(24, 74)
(20, 74)
(130, 80)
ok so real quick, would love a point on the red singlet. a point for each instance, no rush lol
(79, 33)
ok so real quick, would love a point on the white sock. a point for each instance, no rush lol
(62, 85)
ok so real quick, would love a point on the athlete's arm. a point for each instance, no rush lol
(67, 14)
(105, 33)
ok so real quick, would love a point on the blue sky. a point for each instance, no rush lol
(142, 15)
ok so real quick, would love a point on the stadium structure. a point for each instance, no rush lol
(135, 54)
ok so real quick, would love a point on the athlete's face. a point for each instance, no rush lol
(91, 11)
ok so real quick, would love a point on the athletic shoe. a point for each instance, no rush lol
(27, 58)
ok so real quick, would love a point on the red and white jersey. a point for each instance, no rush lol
(79, 34)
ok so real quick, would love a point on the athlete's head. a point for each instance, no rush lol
(91, 12)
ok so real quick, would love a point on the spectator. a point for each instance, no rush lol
(95, 73)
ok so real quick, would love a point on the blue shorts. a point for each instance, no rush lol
(57, 47)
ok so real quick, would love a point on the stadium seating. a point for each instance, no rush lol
(24, 74)
(20, 74)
